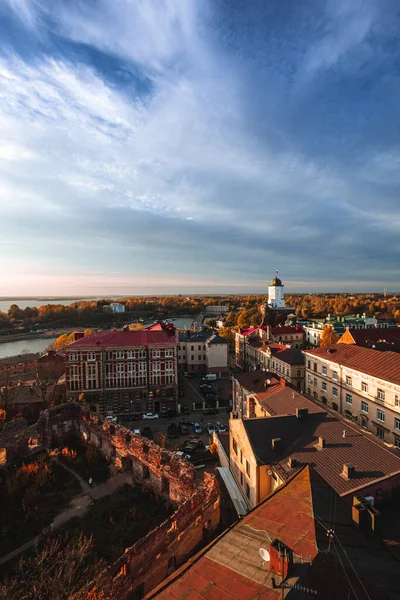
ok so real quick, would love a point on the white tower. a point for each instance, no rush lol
(276, 295)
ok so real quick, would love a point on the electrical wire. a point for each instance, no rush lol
(345, 572)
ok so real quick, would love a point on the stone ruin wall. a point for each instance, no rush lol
(151, 559)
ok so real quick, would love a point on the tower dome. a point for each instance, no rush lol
(276, 281)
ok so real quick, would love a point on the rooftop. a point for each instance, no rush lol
(380, 338)
(231, 567)
(384, 365)
(204, 336)
(109, 339)
(287, 329)
(285, 401)
(291, 356)
(299, 439)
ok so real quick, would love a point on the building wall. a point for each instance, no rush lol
(125, 379)
(243, 464)
(217, 358)
(343, 389)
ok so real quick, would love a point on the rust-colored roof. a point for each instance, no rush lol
(231, 567)
(285, 401)
(381, 337)
(107, 339)
(384, 365)
(254, 381)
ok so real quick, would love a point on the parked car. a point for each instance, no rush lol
(136, 431)
(150, 415)
(183, 429)
(221, 428)
(212, 396)
(182, 454)
(209, 377)
(197, 428)
(111, 419)
(210, 428)
(210, 411)
(206, 386)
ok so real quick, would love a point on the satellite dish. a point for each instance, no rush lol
(264, 554)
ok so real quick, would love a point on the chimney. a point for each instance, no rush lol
(348, 471)
(301, 413)
(281, 558)
(78, 335)
(321, 442)
(276, 443)
(292, 462)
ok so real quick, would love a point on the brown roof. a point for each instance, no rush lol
(231, 568)
(371, 460)
(379, 337)
(254, 381)
(291, 356)
(384, 365)
(285, 401)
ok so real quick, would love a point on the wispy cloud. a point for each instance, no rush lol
(129, 137)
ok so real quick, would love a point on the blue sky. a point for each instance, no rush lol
(173, 145)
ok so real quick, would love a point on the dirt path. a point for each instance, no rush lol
(77, 507)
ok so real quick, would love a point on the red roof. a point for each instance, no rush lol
(378, 337)
(108, 339)
(384, 365)
(231, 567)
(281, 330)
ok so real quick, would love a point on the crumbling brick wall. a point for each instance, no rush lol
(146, 564)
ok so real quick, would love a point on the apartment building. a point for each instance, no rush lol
(266, 452)
(362, 384)
(251, 343)
(123, 372)
(262, 394)
(313, 329)
(14, 367)
(203, 352)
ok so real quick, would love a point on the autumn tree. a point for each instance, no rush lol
(211, 323)
(60, 342)
(136, 327)
(66, 562)
(328, 336)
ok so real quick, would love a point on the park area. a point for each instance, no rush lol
(54, 525)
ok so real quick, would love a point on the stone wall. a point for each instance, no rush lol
(151, 559)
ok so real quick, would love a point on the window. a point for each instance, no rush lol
(364, 386)
(364, 423)
(156, 366)
(349, 399)
(142, 354)
(248, 468)
(298, 373)
(120, 367)
(192, 348)
(156, 353)
(169, 353)
(349, 381)
(130, 354)
(397, 443)
(247, 490)
(334, 392)
(309, 364)
(397, 400)
(199, 348)
(73, 357)
(234, 445)
(192, 356)
(119, 354)
(324, 386)
(91, 356)
(241, 478)
(380, 394)
(315, 382)
(380, 433)
(380, 415)
(348, 414)
(315, 367)
(364, 406)
(334, 375)
(324, 371)
(397, 424)
(309, 379)
(309, 391)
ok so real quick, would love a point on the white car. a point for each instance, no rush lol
(150, 416)
(112, 419)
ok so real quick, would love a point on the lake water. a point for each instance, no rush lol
(22, 346)
(25, 302)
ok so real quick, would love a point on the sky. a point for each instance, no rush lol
(162, 146)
